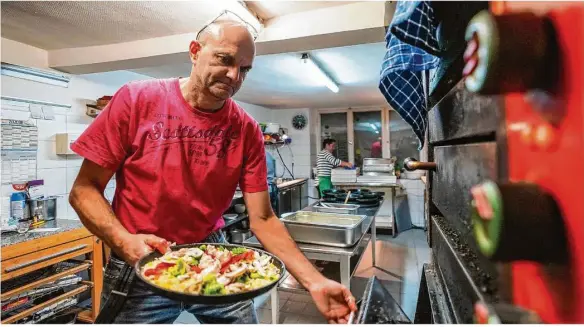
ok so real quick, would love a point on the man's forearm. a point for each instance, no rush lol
(275, 238)
(97, 215)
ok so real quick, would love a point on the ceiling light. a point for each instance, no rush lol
(320, 74)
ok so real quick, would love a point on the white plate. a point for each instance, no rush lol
(286, 214)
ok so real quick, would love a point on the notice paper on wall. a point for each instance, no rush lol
(18, 151)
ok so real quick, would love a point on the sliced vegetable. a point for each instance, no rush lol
(238, 250)
(211, 286)
(159, 269)
(209, 278)
(227, 271)
(193, 262)
(242, 279)
(213, 289)
(179, 269)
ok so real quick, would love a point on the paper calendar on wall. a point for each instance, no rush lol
(18, 151)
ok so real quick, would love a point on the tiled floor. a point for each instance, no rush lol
(399, 266)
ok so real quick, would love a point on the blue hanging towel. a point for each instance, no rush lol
(412, 48)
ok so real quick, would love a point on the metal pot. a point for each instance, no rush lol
(43, 209)
(240, 235)
(245, 223)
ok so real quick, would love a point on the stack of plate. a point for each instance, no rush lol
(379, 178)
(342, 175)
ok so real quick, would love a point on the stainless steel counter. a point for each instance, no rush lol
(386, 217)
(292, 183)
(335, 254)
(327, 253)
(320, 249)
(368, 184)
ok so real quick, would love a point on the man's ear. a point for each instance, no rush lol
(194, 49)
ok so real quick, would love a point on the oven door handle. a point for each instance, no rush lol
(411, 164)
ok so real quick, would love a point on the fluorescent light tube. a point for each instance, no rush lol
(320, 74)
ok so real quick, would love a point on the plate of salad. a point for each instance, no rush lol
(210, 273)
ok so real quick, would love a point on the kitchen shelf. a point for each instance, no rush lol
(45, 304)
(36, 264)
(85, 316)
(93, 110)
(12, 293)
(329, 269)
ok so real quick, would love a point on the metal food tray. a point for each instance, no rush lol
(337, 230)
(336, 208)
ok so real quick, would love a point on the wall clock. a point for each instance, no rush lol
(299, 121)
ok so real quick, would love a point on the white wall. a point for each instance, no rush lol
(300, 146)
(259, 113)
(23, 54)
(59, 172)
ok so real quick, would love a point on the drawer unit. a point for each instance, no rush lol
(21, 265)
(23, 257)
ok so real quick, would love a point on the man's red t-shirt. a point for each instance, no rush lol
(176, 167)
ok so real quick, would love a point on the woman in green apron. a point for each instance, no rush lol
(325, 162)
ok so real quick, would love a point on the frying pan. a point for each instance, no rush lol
(208, 299)
(368, 201)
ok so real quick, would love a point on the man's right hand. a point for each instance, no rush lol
(133, 247)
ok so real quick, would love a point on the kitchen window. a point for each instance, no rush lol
(366, 133)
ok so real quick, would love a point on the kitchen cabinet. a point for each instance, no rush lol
(293, 196)
(284, 201)
(303, 195)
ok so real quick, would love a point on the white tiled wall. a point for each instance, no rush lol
(59, 172)
(300, 146)
(415, 189)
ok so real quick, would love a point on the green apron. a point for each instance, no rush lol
(324, 183)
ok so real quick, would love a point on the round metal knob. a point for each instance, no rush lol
(411, 164)
(518, 221)
(515, 52)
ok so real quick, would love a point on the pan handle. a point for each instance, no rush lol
(353, 314)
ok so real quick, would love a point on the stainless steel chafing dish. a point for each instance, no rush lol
(330, 229)
(336, 208)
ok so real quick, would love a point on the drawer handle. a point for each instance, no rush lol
(411, 164)
(45, 258)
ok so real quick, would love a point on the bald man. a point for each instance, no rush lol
(179, 147)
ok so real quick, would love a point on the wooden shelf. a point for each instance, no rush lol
(85, 316)
(24, 257)
(45, 304)
(9, 294)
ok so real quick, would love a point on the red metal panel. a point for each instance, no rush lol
(552, 156)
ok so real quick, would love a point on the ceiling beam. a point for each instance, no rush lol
(345, 25)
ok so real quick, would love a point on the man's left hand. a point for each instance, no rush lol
(334, 301)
